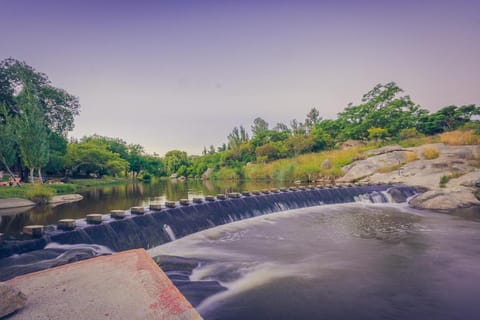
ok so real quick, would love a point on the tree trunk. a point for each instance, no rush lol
(31, 176)
(40, 175)
(10, 173)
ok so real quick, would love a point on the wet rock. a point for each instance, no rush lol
(11, 300)
(445, 199)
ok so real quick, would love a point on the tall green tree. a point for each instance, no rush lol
(57, 106)
(32, 134)
(313, 118)
(174, 160)
(7, 141)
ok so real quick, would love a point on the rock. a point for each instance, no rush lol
(11, 300)
(471, 179)
(446, 199)
(326, 164)
(383, 150)
(66, 198)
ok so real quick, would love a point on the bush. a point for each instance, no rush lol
(408, 133)
(444, 180)
(411, 156)
(430, 153)
(458, 137)
(40, 194)
(146, 176)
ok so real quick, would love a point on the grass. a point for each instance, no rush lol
(460, 137)
(445, 178)
(306, 167)
(418, 141)
(387, 169)
(27, 191)
(40, 194)
(430, 153)
(411, 156)
(35, 192)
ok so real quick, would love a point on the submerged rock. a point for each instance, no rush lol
(11, 300)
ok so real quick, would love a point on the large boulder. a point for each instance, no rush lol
(11, 300)
(445, 199)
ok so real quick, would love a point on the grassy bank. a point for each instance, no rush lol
(306, 167)
(328, 164)
(28, 191)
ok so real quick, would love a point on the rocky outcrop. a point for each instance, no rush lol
(11, 300)
(458, 163)
(448, 199)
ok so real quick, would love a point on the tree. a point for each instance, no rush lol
(237, 137)
(90, 156)
(382, 107)
(32, 134)
(298, 128)
(7, 141)
(57, 106)
(259, 126)
(447, 119)
(281, 127)
(313, 118)
(376, 134)
(174, 159)
(57, 150)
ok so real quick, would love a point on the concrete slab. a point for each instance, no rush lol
(125, 285)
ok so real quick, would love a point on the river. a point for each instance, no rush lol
(105, 198)
(349, 261)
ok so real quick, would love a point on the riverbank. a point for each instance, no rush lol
(26, 190)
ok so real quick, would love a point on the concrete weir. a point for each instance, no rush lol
(124, 230)
(125, 285)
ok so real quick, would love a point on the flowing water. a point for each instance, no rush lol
(342, 261)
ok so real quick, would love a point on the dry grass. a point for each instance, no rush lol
(430, 153)
(459, 138)
(411, 156)
(306, 166)
(387, 169)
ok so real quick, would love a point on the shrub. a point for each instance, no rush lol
(444, 180)
(458, 137)
(411, 156)
(40, 194)
(146, 177)
(430, 153)
(408, 133)
(387, 169)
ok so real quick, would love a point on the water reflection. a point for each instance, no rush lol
(103, 199)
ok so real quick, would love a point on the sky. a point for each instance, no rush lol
(181, 74)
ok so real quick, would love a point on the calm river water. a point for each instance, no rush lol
(351, 261)
(106, 198)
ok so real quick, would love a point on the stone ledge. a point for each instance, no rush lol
(125, 285)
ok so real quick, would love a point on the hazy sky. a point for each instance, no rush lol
(181, 74)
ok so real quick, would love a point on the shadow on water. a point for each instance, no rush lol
(103, 199)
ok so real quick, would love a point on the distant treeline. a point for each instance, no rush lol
(35, 118)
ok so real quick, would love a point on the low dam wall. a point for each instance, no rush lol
(143, 228)
(153, 228)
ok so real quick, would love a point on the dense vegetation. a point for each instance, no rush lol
(35, 118)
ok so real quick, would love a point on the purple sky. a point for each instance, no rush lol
(181, 74)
